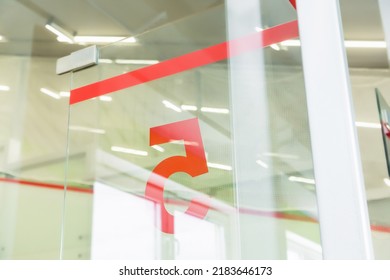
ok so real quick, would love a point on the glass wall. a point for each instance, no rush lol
(368, 62)
(33, 129)
(194, 148)
(204, 154)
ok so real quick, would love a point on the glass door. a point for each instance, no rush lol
(191, 141)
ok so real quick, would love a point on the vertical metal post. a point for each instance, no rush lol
(344, 223)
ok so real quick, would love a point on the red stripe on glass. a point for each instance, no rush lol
(385, 229)
(278, 215)
(293, 3)
(188, 61)
(45, 185)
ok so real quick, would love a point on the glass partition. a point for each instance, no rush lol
(33, 128)
(191, 141)
(368, 67)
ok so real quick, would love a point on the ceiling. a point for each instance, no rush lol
(28, 35)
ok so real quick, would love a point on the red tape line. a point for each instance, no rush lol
(278, 215)
(188, 61)
(46, 185)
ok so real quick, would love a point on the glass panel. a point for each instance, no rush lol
(33, 129)
(380, 221)
(384, 117)
(175, 159)
(368, 65)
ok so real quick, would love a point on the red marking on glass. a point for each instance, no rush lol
(188, 61)
(193, 163)
(293, 3)
(386, 129)
(45, 185)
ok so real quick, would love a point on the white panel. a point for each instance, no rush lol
(208, 237)
(345, 230)
(77, 60)
(123, 225)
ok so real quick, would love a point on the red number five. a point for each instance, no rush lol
(194, 164)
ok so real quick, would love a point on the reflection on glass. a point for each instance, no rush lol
(384, 116)
(33, 128)
(185, 166)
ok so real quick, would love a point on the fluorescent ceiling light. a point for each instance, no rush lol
(103, 39)
(105, 98)
(186, 143)
(368, 125)
(4, 88)
(348, 44)
(291, 43)
(158, 148)
(387, 181)
(215, 110)
(284, 156)
(171, 106)
(63, 39)
(275, 47)
(105, 60)
(219, 166)
(258, 29)
(188, 108)
(365, 44)
(262, 163)
(87, 129)
(302, 180)
(129, 151)
(136, 61)
(129, 40)
(3, 39)
(64, 93)
(63, 35)
(50, 93)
